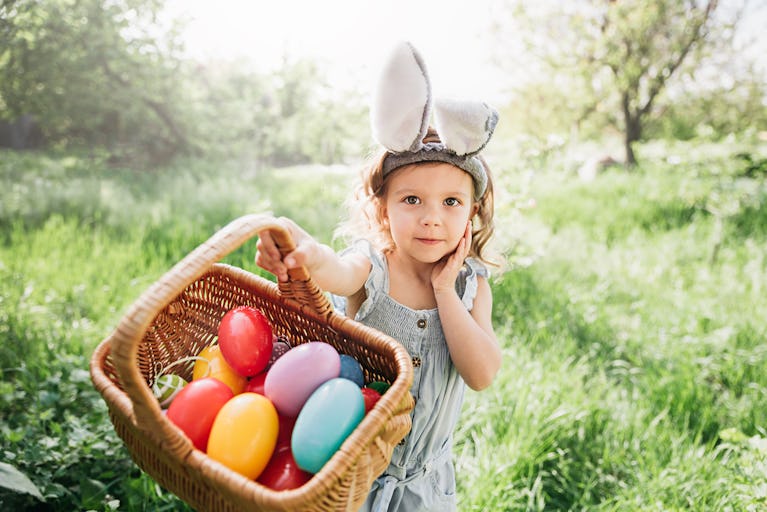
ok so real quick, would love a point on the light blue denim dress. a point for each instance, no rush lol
(421, 476)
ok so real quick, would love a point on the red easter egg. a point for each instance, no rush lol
(245, 337)
(371, 396)
(282, 472)
(195, 408)
(286, 430)
(256, 384)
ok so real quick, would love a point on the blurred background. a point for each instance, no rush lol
(143, 82)
(631, 222)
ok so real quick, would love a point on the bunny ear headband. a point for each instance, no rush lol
(400, 112)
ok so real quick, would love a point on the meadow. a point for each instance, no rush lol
(631, 311)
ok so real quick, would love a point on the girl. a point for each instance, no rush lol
(416, 273)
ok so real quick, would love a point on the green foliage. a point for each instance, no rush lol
(17, 482)
(629, 354)
(94, 73)
(636, 67)
(711, 114)
(123, 88)
(54, 432)
(752, 167)
(289, 117)
(79, 243)
(634, 371)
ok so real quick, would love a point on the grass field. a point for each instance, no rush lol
(631, 313)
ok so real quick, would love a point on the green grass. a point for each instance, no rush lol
(631, 317)
(632, 344)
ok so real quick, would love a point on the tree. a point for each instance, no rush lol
(94, 73)
(111, 74)
(286, 116)
(643, 48)
(618, 54)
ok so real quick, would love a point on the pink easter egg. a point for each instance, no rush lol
(298, 373)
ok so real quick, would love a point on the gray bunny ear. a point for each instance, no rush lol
(401, 105)
(464, 127)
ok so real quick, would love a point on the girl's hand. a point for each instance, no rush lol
(268, 255)
(445, 272)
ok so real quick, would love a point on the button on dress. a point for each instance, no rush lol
(421, 476)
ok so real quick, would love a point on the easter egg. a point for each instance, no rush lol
(332, 412)
(195, 408)
(211, 363)
(256, 384)
(282, 472)
(245, 337)
(244, 434)
(352, 370)
(166, 387)
(279, 349)
(379, 386)
(297, 374)
(371, 397)
(286, 431)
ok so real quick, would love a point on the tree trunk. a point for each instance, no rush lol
(628, 145)
(632, 131)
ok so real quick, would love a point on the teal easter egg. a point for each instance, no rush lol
(327, 418)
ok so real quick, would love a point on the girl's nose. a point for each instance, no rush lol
(430, 217)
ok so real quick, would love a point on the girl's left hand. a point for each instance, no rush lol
(445, 272)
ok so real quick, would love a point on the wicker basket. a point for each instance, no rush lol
(179, 315)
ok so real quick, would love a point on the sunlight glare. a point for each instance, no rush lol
(349, 38)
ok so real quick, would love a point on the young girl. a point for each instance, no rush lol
(416, 273)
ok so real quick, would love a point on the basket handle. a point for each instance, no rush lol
(299, 287)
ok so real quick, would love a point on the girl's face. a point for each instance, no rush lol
(427, 207)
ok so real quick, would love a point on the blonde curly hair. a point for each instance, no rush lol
(366, 207)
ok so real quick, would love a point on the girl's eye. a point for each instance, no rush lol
(412, 200)
(451, 201)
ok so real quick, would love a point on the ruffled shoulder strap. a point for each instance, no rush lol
(377, 281)
(466, 284)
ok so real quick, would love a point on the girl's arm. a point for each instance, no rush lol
(470, 336)
(335, 274)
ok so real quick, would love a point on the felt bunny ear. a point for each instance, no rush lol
(401, 105)
(464, 127)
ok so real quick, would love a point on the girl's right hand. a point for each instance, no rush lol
(268, 255)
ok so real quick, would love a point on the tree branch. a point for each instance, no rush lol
(157, 107)
(667, 71)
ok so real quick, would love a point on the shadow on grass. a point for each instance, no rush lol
(696, 390)
(545, 318)
(749, 222)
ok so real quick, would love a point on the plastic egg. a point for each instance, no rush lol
(332, 412)
(211, 363)
(244, 434)
(245, 336)
(298, 373)
(352, 370)
(256, 384)
(380, 386)
(166, 387)
(282, 472)
(371, 397)
(286, 432)
(196, 406)
(279, 348)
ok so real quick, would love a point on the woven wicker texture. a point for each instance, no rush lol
(179, 315)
